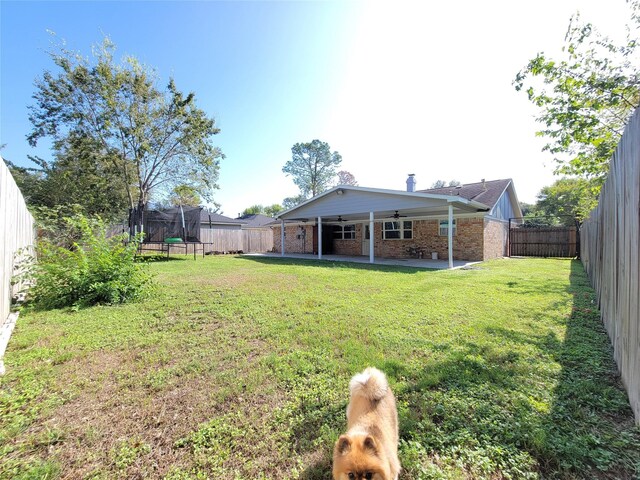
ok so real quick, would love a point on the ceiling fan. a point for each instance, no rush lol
(339, 219)
(396, 215)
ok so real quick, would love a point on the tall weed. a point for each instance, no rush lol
(93, 269)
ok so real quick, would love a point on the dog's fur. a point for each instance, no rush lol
(369, 449)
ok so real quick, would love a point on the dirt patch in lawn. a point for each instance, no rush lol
(115, 420)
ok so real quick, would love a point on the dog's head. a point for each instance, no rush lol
(359, 457)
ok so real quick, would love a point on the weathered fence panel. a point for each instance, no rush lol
(543, 242)
(610, 254)
(16, 236)
(257, 240)
(221, 239)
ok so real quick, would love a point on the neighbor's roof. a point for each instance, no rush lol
(218, 219)
(488, 192)
(256, 220)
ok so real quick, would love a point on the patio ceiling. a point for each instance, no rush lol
(354, 204)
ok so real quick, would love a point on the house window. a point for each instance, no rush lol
(444, 227)
(344, 232)
(397, 230)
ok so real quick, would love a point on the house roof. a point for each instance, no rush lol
(487, 192)
(351, 203)
(255, 220)
(206, 216)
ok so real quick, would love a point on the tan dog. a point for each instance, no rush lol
(369, 449)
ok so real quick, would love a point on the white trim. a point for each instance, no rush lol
(319, 238)
(401, 193)
(371, 237)
(478, 215)
(450, 236)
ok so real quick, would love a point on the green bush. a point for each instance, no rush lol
(94, 269)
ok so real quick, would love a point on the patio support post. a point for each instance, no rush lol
(282, 238)
(319, 238)
(371, 237)
(450, 236)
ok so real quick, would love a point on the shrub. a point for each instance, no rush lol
(93, 269)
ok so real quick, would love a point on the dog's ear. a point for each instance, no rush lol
(371, 445)
(343, 445)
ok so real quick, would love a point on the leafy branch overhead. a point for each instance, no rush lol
(586, 98)
(154, 139)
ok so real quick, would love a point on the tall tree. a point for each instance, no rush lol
(153, 138)
(586, 97)
(346, 178)
(568, 199)
(312, 167)
(79, 175)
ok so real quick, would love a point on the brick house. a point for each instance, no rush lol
(469, 222)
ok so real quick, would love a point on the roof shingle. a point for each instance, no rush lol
(487, 192)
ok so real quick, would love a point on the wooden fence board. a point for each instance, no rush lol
(254, 240)
(610, 253)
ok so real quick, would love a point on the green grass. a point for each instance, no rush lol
(239, 368)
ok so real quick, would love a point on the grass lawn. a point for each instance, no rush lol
(238, 368)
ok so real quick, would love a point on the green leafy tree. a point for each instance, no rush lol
(586, 97)
(568, 200)
(151, 138)
(253, 210)
(527, 208)
(79, 175)
(312, 167)
(185, 195)
(273, 210)
(291, 202)
(269, 210)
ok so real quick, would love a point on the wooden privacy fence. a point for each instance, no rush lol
(235, 240)
(222, 240)
(16, 237)
(257, 240)
(543, 242)
(610, 254)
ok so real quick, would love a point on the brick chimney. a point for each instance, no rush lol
(411, 183)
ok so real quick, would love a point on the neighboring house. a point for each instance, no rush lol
(256, 220)
(404, 223)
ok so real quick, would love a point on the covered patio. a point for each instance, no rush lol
(397, 262)
(368, 207)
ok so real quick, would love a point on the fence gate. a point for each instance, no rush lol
(543, 241)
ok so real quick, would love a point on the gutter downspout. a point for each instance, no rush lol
(282, 238)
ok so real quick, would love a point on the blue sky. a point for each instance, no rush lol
(395, 87)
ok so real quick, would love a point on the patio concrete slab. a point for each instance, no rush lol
(402, 262)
